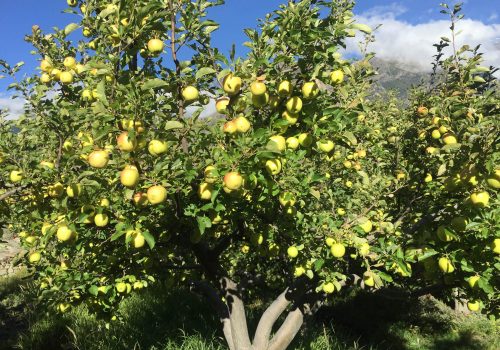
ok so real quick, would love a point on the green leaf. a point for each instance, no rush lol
(94, 290)
(351, 138)
(117, 235)
(149, 239)
(173, 124)
(203, 223)
(204, 71)
(154, 84)
(362, 27)
(70, 28)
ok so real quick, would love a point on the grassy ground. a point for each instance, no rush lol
(157, 319)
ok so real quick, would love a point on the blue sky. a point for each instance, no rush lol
(17, 17)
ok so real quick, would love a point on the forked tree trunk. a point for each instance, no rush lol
(232, 314)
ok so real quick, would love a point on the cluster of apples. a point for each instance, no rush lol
(64, 75)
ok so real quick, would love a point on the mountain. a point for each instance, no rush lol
(394, 76)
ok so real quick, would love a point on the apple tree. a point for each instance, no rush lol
(301, 186)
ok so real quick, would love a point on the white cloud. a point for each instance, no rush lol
(14, 107)
(392, 10)
(410, 45)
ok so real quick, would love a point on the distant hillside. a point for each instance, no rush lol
(392, 76)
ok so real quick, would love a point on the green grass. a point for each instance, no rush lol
(162, 320)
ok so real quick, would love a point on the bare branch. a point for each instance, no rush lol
(288, 330)
(11, 192)
(237, 316)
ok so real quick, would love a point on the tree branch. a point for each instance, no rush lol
(11, 192)
(288, 330)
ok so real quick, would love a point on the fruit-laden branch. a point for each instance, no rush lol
(11, 192)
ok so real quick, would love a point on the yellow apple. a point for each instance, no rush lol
(157, 194)
(285, 88)
(98, 159)
(64, 233)
(326, 146)
(230, 127)
(79, 68)
(101, 220)
(422, 111)
(341, 211)
(337, 250)
(473, 281)
(277, 143)
(86, 32)
(287, 199)
(104, 203)
(72, 3)
(125, 143)
(368, 279)
(190, 94)
(310, 90)
(431, 150)
(16, 176)
(294, 105)
(449, 139)
(366, 225)
(480, 199)
(205, 191)
(55, 73)
(233, 181)
(69, 62)
(155, 46)
(137, 238)
(299, 271)
(292, 142)
(66, 77)
(74, 190)
(291, 118)
(140, 199)
(260, 100)
(328, 288)
(273, 166)
(34, 257)
(242, 124)
(221, 105)
(47, 164)
(337, 77)
(129, 177)
(364, 249)
(293, 252)
(305, 140)
(258, 88)
(445, 265)
(443, 234)
(495, 246)
(46, 66)
(232, 84)
(87, 95)
(436, 134)
(459, 223)
(157, 147)
(428, 178)
(45, 78)
(210, 173)
(474, 305)
(56, 190)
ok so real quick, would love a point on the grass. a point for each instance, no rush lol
(157, 319)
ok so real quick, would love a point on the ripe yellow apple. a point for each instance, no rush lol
(157, 147)
(474, 305)
(305, 140)
(74, 190)
(157, 194)
(46, 66)
(449, 139)
(337, 77)
(293, 252)
(435, 120)
(104, 203)
(30, 239)
(473, 281)
(45, 78)
(294, 105)
(431, 150)
(190, 94)
(436, 134)
(138, 285)
(299, 271)
(138, 240)
(55, 73)
(368, 279)
(493, 180)
(287, 199)
(328, 288)
(445, 265)
(16, 176)
(291, 118)
(230, 127)
(98, 159)
(232, 84)
(341, 211)
(72, 3)
(329, 241)
(87, 95)
(495, 246)
(292, 142)
(69, 62)
(310, 90)
(260, 100)
(258, 88)
(205, 191)
(101, 220)
(47, 164)
(56, 190)
(64, 233)
(337, 250)
(480, 199)
(366, 225)
(443, 129)
(325, 146)
(444, 235)
(233, 181)
(242, 124)
(422, 111)
(210, 173)
(155, 46)
(66, 77)
(129, 176)
(273, 166)
(245, 249)
(277, 143)
(34, 257)
(86, 32)
(79, 68)
(221, 105)
(361, 153)
(428, 178)
(285, 88)
(364, 249)
(125, 143)
(121, 287)
(140, 199)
